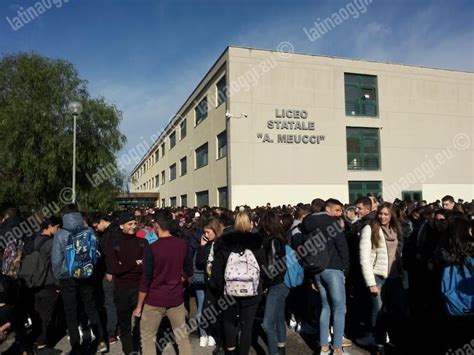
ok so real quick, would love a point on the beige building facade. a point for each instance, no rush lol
(283, 128)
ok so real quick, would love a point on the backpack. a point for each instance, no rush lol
(457, 288)
(12, 258)
(81, 253)
(294, 272)
(34, 269)
(242, 274)
(317, 257)
(151, 236)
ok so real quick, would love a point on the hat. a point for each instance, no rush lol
(125, 217)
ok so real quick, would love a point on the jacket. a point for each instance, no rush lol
(336, 239)
(71, 221)
(374, 261)
(45, 252)
(235, 242)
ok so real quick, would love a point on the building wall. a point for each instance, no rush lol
(425, 121)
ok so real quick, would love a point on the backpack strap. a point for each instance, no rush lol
(42, 243)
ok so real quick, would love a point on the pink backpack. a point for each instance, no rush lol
(242, 274)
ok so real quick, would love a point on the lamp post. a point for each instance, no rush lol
(74, 108)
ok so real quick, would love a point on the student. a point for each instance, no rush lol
(167, 263)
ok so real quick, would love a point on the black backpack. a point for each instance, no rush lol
(316, 251)
(34, 269)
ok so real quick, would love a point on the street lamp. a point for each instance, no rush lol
(74, 108)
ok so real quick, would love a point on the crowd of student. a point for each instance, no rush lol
(372, 273)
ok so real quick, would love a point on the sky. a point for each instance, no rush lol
(147, 56)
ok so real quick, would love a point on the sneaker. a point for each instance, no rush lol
(293, 323)
(203, 341)
(368, 340)
(102, 347)
(298, 327)
(211, 341)
(346, 342)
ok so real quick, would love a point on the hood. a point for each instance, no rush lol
(72, 221)
(238, 242)
(13, 221)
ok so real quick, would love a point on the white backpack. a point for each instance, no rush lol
(242, 274)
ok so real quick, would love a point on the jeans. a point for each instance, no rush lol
(333, 297)
(274, 319)
(126, 300)
(376, 314)
(150, 322)
(200, 304)
(73, 291)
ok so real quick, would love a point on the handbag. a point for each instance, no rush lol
(197, 280)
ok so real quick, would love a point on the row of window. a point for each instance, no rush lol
(362, 188)
(200, 114)
(201, 155)
(201, 198)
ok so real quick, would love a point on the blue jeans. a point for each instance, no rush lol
(274, 319)
(200, 303)
(376, 327)
(333, 296)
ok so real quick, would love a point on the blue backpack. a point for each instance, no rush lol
(457, 288)
(294, 272)
(81, 253)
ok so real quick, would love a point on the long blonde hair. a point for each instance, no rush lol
(214, 225)
(242, 223)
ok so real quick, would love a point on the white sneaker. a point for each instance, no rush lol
(203, 341)
(293, 323)
(211, 341)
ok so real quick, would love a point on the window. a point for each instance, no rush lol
(172, 139)
(183, 166)
(172, 172)
(173, 201)
(362, 188)
(182, 128)
(200, 111)
(201, 156)
(162, 202)
(363, 152)
(184, 200)
(412, 196)
(221, 91)
(157, 180)
(222, 145)
(163, 177)
(222, 192)
(202, 198)
(157, 155)
(163, 150)
(361, 95)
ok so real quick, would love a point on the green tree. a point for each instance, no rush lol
(36, 135)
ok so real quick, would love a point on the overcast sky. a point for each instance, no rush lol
(146, 56)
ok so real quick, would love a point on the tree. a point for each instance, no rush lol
(36, 135)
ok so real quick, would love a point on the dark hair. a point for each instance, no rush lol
(164, 219)
(365, 201)
(317, 205)
(333, 201)
(270, 225)
(286, 221)
(460, 243)
(69, 208)
(52, 221)
(302, 211)
(447, 198)
(227, 218)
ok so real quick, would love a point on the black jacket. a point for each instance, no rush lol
(110, 235)
(201, 259)
(46, 244)
(235, 242)
(335, 236)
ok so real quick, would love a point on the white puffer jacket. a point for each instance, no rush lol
(373, 261)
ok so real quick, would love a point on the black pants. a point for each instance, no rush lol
(45, 303)
(73, 291)
(126, 300)
(213, 323)
(240, 315)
